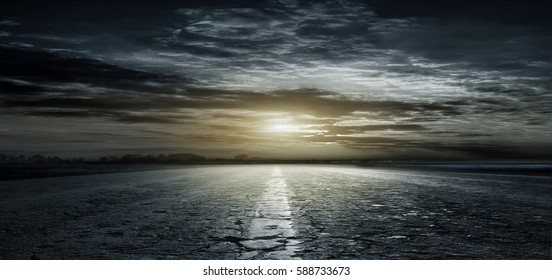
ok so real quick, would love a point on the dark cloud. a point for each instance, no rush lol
(148, 119)
(474, 134)
(537, 122)
(101, 134)
(111, 115)
(73, 114)
(509, 12)
(356, 142)
(39, 67)
(18, 87)
(226, 139)
(82, 141)
(9, 22)
(307, 101)
(494, 151)
(458, 78)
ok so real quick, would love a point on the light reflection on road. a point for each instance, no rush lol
(272, 226)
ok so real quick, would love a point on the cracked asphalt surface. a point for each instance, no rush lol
(277, 212)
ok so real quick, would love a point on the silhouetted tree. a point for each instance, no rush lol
(241, 157)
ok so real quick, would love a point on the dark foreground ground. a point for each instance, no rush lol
(277, 212)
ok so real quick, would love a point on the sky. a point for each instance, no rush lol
(277, 78)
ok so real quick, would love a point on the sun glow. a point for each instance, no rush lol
(282, 127)
(288, 126)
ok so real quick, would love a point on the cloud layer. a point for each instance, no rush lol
(364, 79)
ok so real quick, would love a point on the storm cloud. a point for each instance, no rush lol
(460, 80)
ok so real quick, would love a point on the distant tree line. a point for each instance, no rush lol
(36, 159)
(153, 159)
(128, 158)
(180, 158)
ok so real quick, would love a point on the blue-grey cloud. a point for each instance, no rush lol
(461, 75)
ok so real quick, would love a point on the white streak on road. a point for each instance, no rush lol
(271, 229)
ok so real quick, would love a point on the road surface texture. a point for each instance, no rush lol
(277, 212)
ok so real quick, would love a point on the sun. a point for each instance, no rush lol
(281, 125)
(282, 128)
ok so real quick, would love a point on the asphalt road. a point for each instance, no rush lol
(277, 212)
